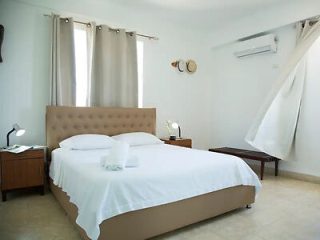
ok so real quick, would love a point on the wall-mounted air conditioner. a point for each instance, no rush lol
(258, 45)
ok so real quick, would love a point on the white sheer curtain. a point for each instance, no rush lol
(274, 128)
(114, 72)
(63, 77)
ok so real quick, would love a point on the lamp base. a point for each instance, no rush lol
(172, 138)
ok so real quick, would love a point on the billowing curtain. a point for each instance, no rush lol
(274, 128)
(63, 76)
(114, 77)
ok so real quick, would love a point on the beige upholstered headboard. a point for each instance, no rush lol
(64, 122)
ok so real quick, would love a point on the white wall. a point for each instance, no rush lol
(24, 74)
(178, 96)
(215, 106)
(269, 18)
(239, 87)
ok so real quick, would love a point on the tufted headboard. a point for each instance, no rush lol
(64, 122)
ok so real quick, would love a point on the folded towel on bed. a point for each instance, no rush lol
(117, 158)
(132, 161)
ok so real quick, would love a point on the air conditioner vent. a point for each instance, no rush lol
(254, 46)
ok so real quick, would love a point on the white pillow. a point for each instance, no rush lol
(137, 138)
(87, 142)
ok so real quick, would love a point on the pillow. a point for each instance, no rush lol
(87, 142)
(137, 138)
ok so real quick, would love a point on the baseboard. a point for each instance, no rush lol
(288, 174)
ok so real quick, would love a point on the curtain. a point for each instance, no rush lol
(274, 128)
(114, 73)
(63, 77)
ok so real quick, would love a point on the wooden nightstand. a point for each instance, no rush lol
(22, 170)
(182, 142)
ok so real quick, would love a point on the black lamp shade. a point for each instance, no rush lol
(19, 132)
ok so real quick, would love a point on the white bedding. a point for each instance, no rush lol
(165, 174)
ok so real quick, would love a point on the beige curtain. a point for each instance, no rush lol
(63, 77)
(114, 73)
(274, 128)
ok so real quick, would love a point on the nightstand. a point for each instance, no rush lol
(182, 142)
(22, 170)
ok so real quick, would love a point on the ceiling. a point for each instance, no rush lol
(199, 14)
(200, 5)
(197, 19)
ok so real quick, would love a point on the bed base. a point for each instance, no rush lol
(150, 222)
(63, 122)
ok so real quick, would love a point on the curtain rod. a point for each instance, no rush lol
(114, 29)
(313, 20)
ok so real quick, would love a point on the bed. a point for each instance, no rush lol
(63, 122)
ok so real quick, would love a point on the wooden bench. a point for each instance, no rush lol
(252, 155)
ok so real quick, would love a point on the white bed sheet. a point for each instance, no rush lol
(165, 174)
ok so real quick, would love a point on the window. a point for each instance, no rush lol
(140, 72)
(81, 54)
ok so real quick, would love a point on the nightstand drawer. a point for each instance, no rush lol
(182, 142)
(24, 155)
(22, 173)
(22, 170)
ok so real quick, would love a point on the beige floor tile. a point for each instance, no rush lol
(285, 209)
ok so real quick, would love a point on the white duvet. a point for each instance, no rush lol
(165, 174)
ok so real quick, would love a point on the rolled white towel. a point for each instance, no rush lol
(117, 158)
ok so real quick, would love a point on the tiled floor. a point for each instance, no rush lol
(285, 209)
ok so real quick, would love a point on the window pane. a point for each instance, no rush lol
(80, 39)
(140, 72)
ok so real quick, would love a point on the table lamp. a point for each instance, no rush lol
(18, 130)
(175, 125)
